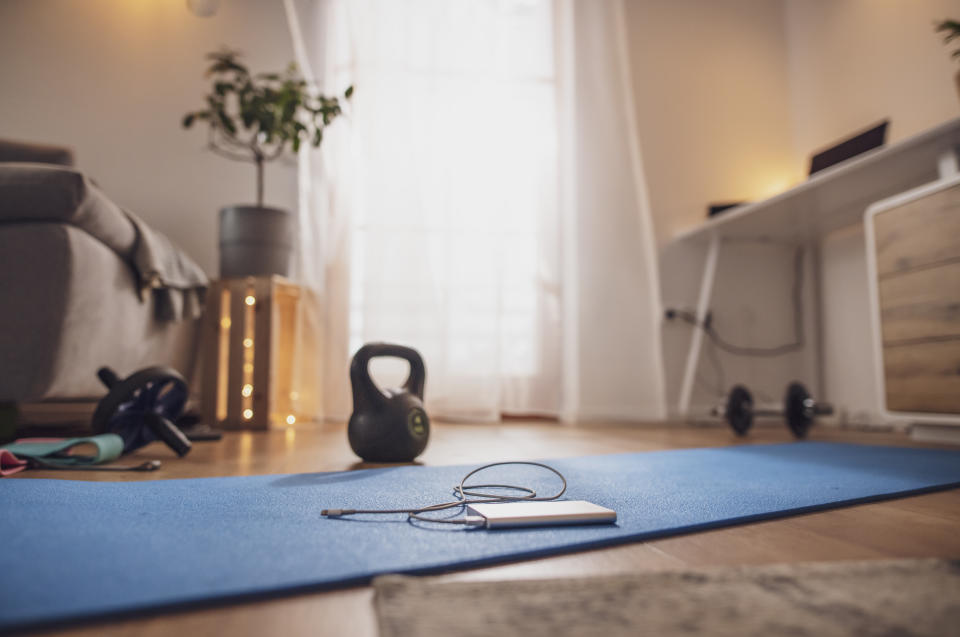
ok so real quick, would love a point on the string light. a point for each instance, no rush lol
(248, 342)
(247, 390)
(291, 419)
(249, 300)
(247, 414)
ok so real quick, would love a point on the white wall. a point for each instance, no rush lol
(712, 101)
(852, 63)
(855, 62)
(112, 79)
(713, 108)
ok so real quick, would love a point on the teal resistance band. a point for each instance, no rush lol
(54, 454)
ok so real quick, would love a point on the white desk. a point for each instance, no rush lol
(832, 199)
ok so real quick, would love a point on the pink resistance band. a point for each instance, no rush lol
(10, 464)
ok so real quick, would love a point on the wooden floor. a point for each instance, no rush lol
(921, 526)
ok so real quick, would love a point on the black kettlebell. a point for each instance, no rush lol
(389, 425)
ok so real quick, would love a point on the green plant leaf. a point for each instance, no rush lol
(277, 109)
(226, 122)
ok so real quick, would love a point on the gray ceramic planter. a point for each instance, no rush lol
(255, 241)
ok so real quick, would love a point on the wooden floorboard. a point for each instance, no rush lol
(919, 526)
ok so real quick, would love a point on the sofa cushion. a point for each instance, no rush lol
(22, 151)
(71, 306)
(47, 193)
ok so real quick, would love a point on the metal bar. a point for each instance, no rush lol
(696, 339)
(768, 412)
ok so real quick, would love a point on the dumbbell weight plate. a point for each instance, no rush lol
(739, 411)
(796, 409)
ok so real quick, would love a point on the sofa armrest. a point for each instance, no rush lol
(11, 150)
(34, 193)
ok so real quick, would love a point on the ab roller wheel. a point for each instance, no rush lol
(143, 407)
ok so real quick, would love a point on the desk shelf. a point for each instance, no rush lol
(838, 196)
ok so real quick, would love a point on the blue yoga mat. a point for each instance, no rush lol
(74, 550)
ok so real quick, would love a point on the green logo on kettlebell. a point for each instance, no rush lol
(417, 422)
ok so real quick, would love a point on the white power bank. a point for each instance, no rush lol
(551, 513)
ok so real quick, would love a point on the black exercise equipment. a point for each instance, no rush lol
(387, 425)
(38, 463)
(799, 410)
(143, 407)
(739, 410)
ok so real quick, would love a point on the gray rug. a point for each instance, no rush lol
(885, 598)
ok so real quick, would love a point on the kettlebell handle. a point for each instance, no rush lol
(360, 370)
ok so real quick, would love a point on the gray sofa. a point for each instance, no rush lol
(83, 283)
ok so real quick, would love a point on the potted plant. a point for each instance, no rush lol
(952, 30)
(256, 119)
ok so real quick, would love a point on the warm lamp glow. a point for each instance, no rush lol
(262, 383)
(774, 188)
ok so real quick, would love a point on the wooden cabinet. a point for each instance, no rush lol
(914, 241)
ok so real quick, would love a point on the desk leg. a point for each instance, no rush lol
(696, 338)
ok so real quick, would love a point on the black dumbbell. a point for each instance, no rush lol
(799, 410)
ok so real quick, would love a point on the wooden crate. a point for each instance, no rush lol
(262, 339)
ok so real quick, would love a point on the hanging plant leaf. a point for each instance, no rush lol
(275, 110)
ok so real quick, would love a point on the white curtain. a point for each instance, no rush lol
(446, 212)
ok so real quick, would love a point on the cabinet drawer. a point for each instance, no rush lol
(923, 377)
(920, 233)
(921, 304)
